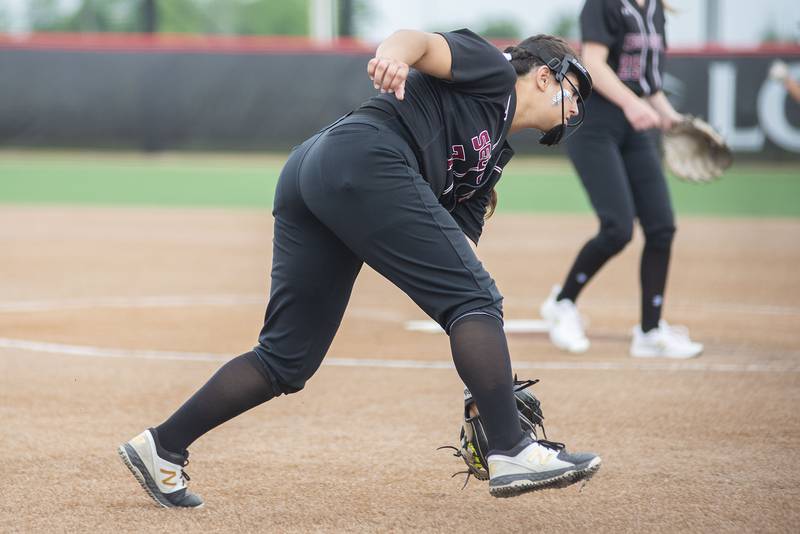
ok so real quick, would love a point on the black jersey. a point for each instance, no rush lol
(458, 127)
(635, 39)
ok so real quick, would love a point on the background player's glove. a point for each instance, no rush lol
(474, 447)
(696, 152)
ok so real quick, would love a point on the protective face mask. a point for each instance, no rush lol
(552, 136)
(555, 135)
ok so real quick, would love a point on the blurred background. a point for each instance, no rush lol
(259, 76)
(729, 22)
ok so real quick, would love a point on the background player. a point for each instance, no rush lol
(617, 158)
(399, 184)
(780, 71)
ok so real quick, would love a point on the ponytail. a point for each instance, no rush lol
(492, 204)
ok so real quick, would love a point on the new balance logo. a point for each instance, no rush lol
(540, 455)
(167, 480)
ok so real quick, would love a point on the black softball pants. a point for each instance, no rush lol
(621, 172)
(349, 195)
(354, 194)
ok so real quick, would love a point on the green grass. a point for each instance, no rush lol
(529, 185)
(137, 180)
(745, 190)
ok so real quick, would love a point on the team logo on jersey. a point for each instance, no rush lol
(630, 67)
(637, 41)
(482, 145)
(456, 153)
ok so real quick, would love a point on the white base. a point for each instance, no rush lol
(519, 326)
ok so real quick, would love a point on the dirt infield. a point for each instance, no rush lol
(109, 318)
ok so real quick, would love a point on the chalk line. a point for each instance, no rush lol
(627, 365)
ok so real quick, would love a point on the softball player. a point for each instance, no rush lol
(617, 158)
(780, 71)
(400, 184)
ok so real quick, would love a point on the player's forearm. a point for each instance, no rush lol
(426, 52)
(407, 46)
(606, 82)
(793, 87)
(663, 106)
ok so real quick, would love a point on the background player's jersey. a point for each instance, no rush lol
(458, 128)
(635, 39)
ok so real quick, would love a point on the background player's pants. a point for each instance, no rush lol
(621, 172)
(353, 194)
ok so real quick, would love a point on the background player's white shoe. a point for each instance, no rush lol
(159, 472)
(538, 465)
(564, 322)
(666, 341)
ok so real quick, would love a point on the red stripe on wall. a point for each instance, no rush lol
(764, 50)
(238, 44)
(160, 43)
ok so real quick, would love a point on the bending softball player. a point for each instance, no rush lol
(400, 184)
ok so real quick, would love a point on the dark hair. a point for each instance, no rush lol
(492, 204)
(525, 57)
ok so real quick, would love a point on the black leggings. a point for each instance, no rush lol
(621, 171)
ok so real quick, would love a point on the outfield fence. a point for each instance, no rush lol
(167, 92)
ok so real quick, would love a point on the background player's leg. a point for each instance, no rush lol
(654, 209)
(599, 164)
(395, 223)
(312, 277)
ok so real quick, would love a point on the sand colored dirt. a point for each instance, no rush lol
(709, 448)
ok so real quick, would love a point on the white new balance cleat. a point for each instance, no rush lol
(664, 342)
(564, 323)
(159, 471)
(534, 465)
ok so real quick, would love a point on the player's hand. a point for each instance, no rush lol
(388, 75)
(641, 115)
(671, 119)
